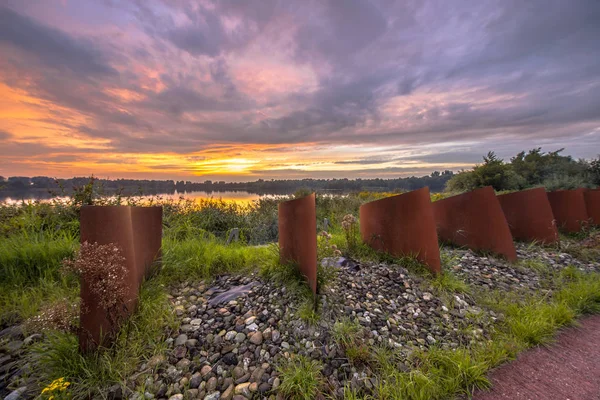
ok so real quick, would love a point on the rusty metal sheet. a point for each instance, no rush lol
(402, 225)
(592, 205)
(475, 220)
(529, 215)
(147, 236)
(137, 231)
(298, 236)
(569, 209)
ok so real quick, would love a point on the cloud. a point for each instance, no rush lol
(51, 46)
(4, 136)
(180, 77)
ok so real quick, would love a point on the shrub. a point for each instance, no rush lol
(103, 269)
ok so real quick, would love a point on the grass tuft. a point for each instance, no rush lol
(301, 378)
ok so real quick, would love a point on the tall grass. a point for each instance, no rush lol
(90, 375)
(201, 259)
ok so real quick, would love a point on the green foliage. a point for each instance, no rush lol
(301, 378)
(90, 375)
(199, 259)
(551, 170)
(435, 374)
(349, 335)
(307, 312)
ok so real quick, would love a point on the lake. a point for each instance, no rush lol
(236, 196)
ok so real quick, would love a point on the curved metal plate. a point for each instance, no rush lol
(402, 225)
(592, 205)
(475, 220)
(569, 209)
(529, 215)
(298, 236)
(138, 232)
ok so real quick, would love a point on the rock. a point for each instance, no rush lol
(195, 380)
(238, 372)
(181, 339)
(205, 370)
(276, 383)
(240, 337)
(230, 359)
(230, 335)
(177, 396)
(252, 327)
(250, 320)
(256, 338)
(243, 389)
(211, 384)
(156, 361)
(213, 396)
(275, 335)
(17, 394)
(228, 393)
(115, 392)
(253, 387)
(264, 388)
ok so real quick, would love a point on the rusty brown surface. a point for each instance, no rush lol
(569, 209)
(137, 232)
(402, 225)
(529, 216)
(475, 220)
(592, 205)
(298, 236)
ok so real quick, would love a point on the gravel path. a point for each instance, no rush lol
(569, 369)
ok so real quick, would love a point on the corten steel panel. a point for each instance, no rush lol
(529, 215)
(402, 225)
(137, 231)
(592, 205)
(147, 223)
(298, 236)
(569, 209)
(475, 220)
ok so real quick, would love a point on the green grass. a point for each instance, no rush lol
(348, 334)
(307, 312)
(90, 375)
(26, 259)
(301, 378)
(19, 303)
(29, 274)
(201, 259)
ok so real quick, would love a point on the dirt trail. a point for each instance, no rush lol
(568, 369)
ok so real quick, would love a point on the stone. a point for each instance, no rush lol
(228, 393)
(230, 359)
(243, 389)
(17, 394)
(195, 380)
(211, 384)
(181, 339)
(177, 396)
(230, 335)
(205, 370)
(213, 396)
(257, 338)
(275, 335)
(240, 337)
(253, 387)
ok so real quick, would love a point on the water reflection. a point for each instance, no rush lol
(235, 196)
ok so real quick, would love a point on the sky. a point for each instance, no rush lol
(240, 90)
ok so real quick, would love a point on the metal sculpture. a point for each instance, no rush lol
(402, 225)
(298, 236)
(529, 215)
(569, 209)
(592, 205)
(475, 220)
(137, 231)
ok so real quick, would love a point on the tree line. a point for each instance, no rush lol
(436, 182)
(551, 170)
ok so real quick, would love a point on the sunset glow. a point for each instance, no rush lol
(242, 90)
